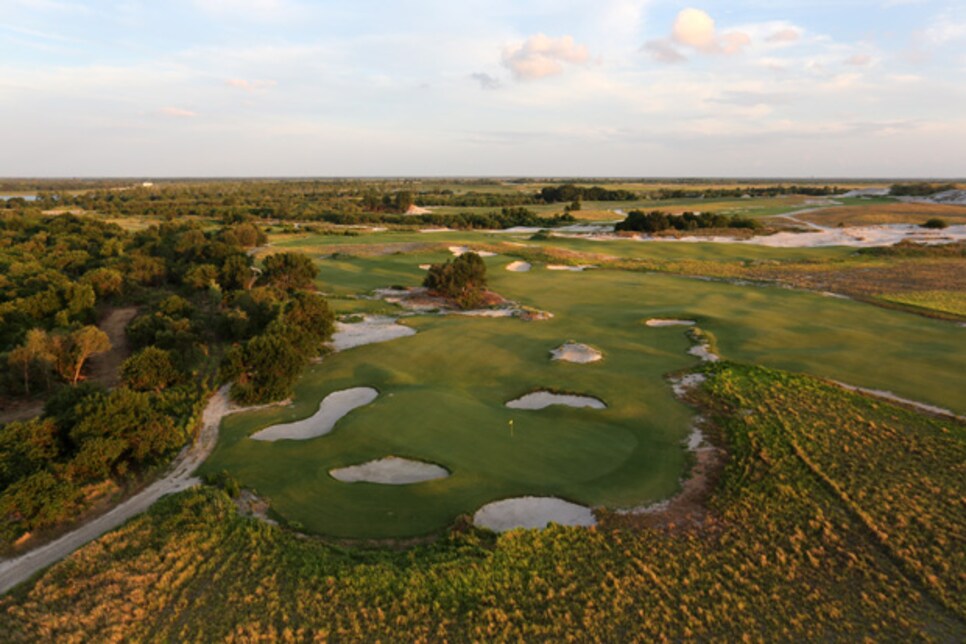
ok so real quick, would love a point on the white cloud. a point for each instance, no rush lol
(663, 51)
(858, 60)
(178, 112)
(250, 85)
(785, 35)
(733, 42)
(540, 56)
(944, 30)
(696, 29)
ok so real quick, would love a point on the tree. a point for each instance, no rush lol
(290, 271)
(106, 281)
(201, 276)
(248, 235)
(462, 279)
(236, 273)
(150, 369)
(35, 349)
(404, 199)
(309, 315)
(265, 368)
(73, 350)
(935, 222)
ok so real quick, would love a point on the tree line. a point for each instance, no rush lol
(657, 221)
(206, 314)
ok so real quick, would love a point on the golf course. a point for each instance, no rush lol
(442, 392)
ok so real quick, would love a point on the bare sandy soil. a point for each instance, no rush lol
(577, 353)
(543, 399)
(659, 322)
(103, 368)
(518, 267)
(391, 470)
(372, 329)
(888, 395)
(562, 267)
(532, 512)
(331, 410)
(459, 250)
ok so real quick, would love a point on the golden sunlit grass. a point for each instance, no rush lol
(945, 301)
(890, 213)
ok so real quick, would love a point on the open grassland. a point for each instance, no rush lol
(945, 301)
(836, 519)
(442, 391)
(864, 214)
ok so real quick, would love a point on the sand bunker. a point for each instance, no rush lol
(888, 395)
(657, 322)
(704, 352)
(488, 313)
(332, 408)
(575, 352)
(543, 399)
(562, 267)
(372, 329)
(425, 267)
(518, 267)
(532, 512)
(459, 250)
(391, 470)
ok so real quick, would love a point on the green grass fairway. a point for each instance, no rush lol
(443, 390)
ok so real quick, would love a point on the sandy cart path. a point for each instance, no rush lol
(180, 476)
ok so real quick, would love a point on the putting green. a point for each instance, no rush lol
(442, 391)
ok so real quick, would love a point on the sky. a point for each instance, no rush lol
(630, 88)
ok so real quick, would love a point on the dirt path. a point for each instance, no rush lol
(103, 368)
(180, 476)
(20, 410)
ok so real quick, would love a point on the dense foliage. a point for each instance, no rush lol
(657, 221)
(806, 542)
(570, 193)
(920, 189)
(462, 279)
(199, 297)
(49, 465)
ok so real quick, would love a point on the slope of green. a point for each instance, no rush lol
(788, 554)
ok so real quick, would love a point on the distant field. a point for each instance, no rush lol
(886, 213)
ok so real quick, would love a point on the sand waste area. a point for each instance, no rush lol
(331, 410)
(391, 470)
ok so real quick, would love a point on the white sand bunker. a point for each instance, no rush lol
(459, 250)
(331, 410)
(562, 267)
(543, 399)
(574, 352)
(532, 512)
(518, 267)
(669, 322)
(488, 313)
(425, 267)
(704, 352)
(372, 329)
(391, 470)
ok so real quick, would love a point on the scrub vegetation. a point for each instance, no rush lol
(803, 541)
(819, 513)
